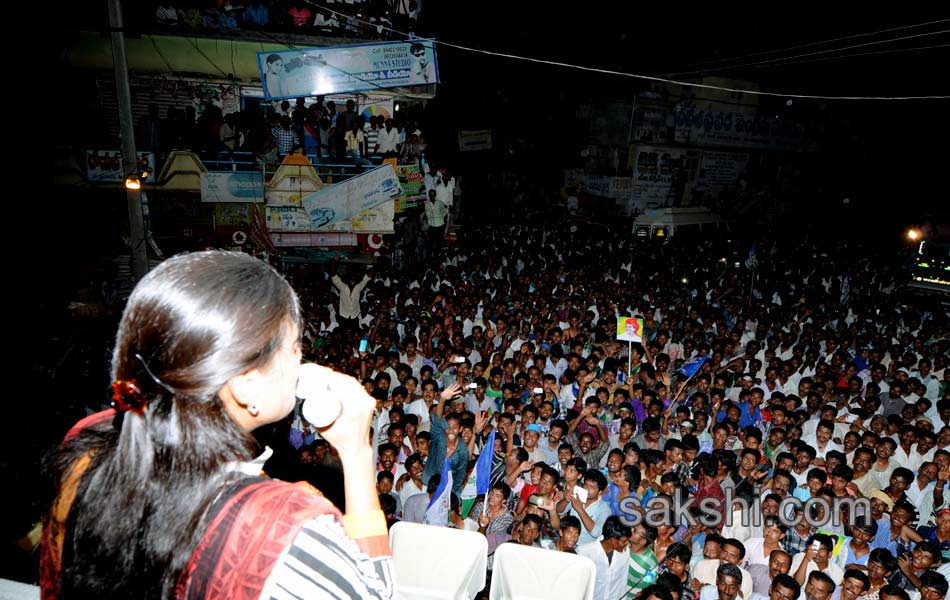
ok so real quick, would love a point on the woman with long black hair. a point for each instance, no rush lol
(161, 496)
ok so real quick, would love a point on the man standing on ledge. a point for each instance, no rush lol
(435, 217)
(349, 313)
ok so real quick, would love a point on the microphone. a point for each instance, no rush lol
(320, 406)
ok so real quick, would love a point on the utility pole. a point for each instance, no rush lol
(126, 131)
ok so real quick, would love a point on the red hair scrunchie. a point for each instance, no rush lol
(127, 396)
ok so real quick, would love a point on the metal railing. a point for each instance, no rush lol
(330, 170)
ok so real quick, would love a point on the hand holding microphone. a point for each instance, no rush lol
(337, 405)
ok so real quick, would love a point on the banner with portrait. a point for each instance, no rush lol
(338, 69)
(630, 329)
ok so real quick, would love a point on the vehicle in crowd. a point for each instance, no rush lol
(930, 270)
(668, 221)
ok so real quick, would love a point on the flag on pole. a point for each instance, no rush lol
(483, 465)
(693, 366)
(437, 512)
(751, 261)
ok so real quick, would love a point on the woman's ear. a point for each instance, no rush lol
(242, 395)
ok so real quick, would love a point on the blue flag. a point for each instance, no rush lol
(751, 261)
(483, 466)
(690, 368)
(437, 512)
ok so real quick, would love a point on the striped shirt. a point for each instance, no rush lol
(322, 562)
(641, 570)
(372, 138)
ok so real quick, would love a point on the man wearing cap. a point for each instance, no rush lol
(532, 433)
(881, 504)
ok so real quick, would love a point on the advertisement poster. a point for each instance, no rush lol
(339, 69)
(245, 186)
(470, 141)
(361, 203)
(232, 214)
(106, 165)
(723, 168)
(718, 128)
(287, 218)
(413, 187)
(661, 175)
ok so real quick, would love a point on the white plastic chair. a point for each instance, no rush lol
(529, 573)
(437, 562)
(14, 590)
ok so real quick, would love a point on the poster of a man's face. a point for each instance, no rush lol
(422, 68)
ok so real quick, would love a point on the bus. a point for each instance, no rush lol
(930, 271)
(665, 222)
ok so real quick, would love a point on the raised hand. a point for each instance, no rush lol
(480, 421)
(451, 391)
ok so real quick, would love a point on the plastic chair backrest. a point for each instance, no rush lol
(530, 573)
(437, 562)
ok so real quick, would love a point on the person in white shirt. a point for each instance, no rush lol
(610, 558)
(732, 552)
(476, 402)
(445, 188)
(410, 483)
(905, 456)
(349, 312)
(783, 587)
(420, 406)
(821, 441)
(729, 579)
(435, 213)
(387, 142)
(921, 491)
(817, 557)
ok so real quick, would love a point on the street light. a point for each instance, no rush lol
(135, 179)
(913, 234)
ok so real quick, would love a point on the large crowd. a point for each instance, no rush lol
(820, 381)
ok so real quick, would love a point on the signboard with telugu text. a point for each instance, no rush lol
(338, 69)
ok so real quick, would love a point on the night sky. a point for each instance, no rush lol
(884, 151)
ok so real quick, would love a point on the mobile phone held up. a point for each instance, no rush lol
(581, 493)
(363, 344)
